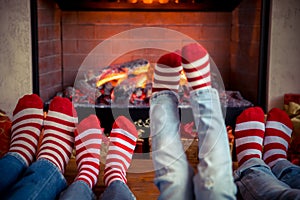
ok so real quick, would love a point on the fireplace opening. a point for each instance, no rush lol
(64, 39)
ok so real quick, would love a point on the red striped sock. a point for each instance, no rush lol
(88, 139)
(249, 133)
(59, 125)
(196, 65)
(277, 137)
(123, 138)
(26, 127)
(167, 72)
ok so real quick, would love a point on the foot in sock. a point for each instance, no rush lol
(196, 65)
(167, 72)
(249, 134)
(58, 140)
(26, 128)
(277, 136)
(88, 139)
(123, 138)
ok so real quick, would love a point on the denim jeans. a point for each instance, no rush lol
(255, 180)
(117, 190)
(41, 180)
(174, 177)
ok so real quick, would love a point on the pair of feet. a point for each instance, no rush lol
(256, 138)
(193, 59)
(62, 133)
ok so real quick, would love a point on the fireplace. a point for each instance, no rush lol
(233, 35)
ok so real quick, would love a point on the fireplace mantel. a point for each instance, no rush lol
(186, 5)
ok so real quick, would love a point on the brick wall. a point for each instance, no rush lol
(245, 41)
(67, 37)
(49, 42)
(82, 31)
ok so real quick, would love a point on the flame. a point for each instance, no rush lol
(183, 79)
(117, 77)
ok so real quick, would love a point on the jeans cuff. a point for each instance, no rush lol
(18, 157)
(170, 93)
(253, 162)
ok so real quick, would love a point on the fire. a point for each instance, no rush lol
(115, 77)
(121, 84)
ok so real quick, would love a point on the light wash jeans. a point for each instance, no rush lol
(175, 178)
(43, 181)
(255, 180)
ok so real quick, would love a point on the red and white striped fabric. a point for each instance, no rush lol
(26, 127)
(59, 126)
(123, 138)
(196, 65)
(277, 137)
(249, 134)
(88, 139)
(167, 72)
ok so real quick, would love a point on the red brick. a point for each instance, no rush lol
(49, 48)
(73, 31)
(73, 61)
(69, 78)
(50, 79)
(50, 63)
(94, 17)
(103, 32)
(69, 17)
(245, 33)
(48, 16)
(49, 32)
(70, 46)
(249, 4)
(248, 17)
(216, 32)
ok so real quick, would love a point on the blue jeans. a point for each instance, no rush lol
(255, 180)
(41, 180)
(174, 177)
(117, 190)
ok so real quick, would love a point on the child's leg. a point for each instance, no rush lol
(214, 179)
(173, 175)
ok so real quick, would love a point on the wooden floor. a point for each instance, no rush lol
(140, 178)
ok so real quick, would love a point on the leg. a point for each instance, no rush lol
(288, 173)
(173, 175)
(78, 190)
(117, 190)
(214, 178)
(27, 123)
(88, 139)
(44, 179)
(254, 178)
(12, 168)
(123, 138)
(278, 135)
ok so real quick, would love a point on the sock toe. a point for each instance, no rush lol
(28, 101)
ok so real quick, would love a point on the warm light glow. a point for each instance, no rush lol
(147, 1)
(132, 1)
(111, 77)
(163, 1)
